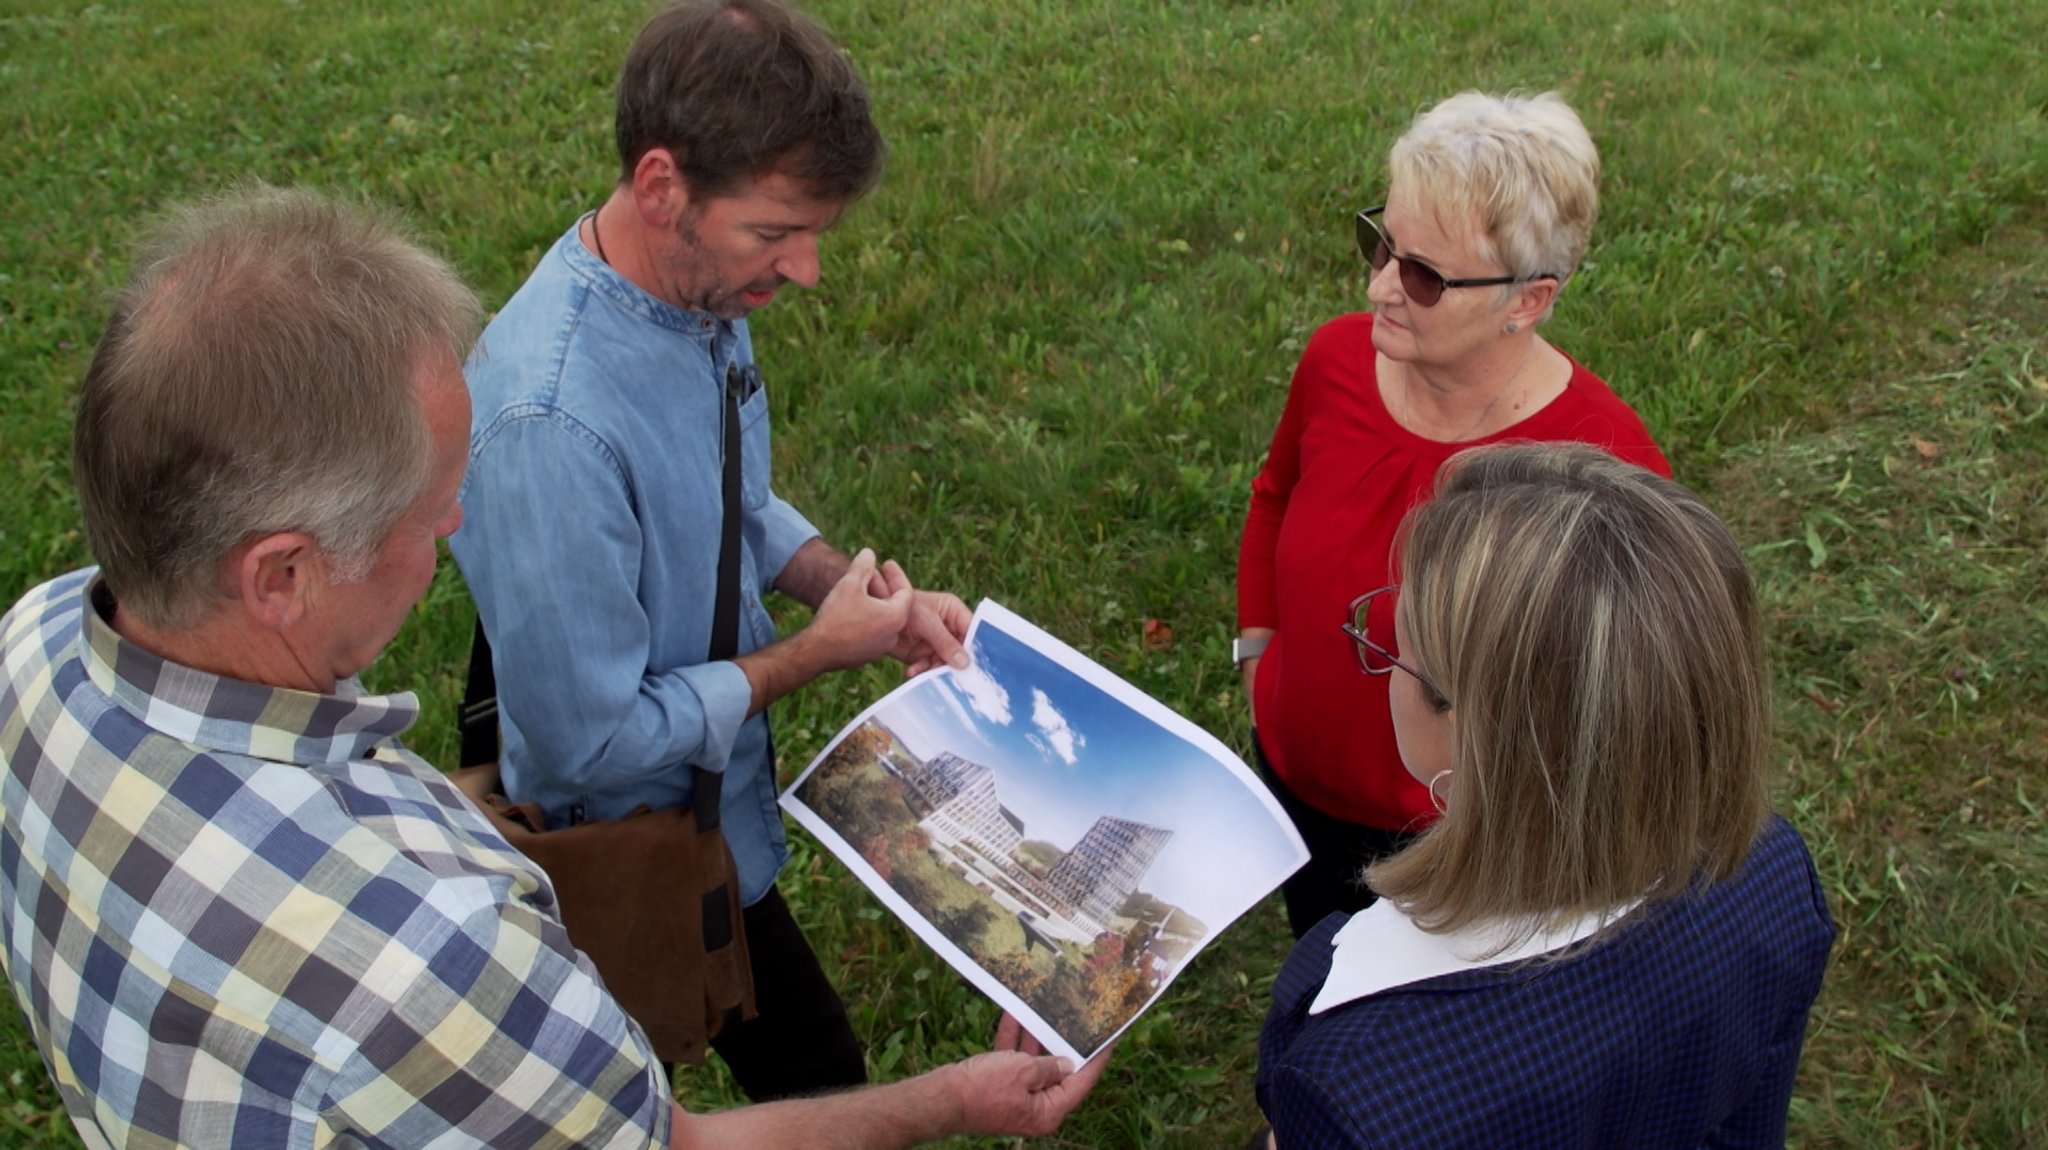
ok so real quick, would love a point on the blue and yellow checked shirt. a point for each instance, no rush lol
(243, 916)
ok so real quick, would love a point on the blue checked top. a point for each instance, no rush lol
(1679, 1026)
(242, 916)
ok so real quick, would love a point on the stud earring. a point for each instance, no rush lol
(1513, 328)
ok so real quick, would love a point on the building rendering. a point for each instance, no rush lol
(934, 782)
(970, 814)
(957, 804)
(1104, 868)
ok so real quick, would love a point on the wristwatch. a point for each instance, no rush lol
(1242, 649)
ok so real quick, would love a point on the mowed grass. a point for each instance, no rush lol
(1048, 353)
(1902, 550)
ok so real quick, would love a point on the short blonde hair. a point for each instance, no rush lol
(1523, 167)
(258, 375)
(1597, 633)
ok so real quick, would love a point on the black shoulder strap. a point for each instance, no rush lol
(477, 718)
(725, 612)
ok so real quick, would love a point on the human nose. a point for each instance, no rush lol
(800, 264)
(1384, 286)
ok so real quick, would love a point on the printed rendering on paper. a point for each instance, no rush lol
(1064, 841)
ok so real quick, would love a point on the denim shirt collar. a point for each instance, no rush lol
(633, 299)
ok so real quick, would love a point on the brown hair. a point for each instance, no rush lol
(739, 88)
(257, 375)
(1596, 631)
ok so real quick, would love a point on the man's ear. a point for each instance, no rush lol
(276, 577)
(660, 190)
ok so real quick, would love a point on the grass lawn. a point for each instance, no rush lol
(1048, 353)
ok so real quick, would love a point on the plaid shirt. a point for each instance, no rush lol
(243, 916)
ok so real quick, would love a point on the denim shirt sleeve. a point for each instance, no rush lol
(777, 533)
(546, 506)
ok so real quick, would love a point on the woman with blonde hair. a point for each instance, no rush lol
(1607, 939)
(1490, 204)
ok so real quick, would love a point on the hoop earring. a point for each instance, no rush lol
(1434, 798)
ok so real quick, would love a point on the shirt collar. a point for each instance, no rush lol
(232, 716)
(633, 299)
(1382, 948)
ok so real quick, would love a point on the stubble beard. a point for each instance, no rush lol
(700, 285)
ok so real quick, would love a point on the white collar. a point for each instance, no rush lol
(1382, 948)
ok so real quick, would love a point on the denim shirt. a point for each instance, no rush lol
(590, 536)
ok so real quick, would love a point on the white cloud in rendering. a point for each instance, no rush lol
(985, 695)
(1054, 736)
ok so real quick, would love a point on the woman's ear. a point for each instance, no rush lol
(1530, 304)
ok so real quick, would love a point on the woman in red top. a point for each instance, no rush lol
(1488, 210)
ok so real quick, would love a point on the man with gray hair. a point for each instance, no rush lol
(235, 909)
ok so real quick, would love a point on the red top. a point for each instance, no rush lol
(1339, 478)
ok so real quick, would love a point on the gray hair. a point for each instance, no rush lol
(1596, 632)
(1523, 166)
(257, 376)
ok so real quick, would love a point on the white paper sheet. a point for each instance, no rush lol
(1063, 840)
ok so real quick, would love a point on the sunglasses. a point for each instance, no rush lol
(1422, 284)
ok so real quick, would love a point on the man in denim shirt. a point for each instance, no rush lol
(593, 502)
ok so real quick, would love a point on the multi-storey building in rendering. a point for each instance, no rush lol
(956, 803)
(970, 814)
(1104, 868)
(933, 783)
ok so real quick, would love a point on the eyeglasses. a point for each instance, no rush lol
(1375, 658)
(1421, 283)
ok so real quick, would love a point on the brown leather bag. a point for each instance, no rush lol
(652, 899)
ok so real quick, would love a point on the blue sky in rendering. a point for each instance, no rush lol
(1066, 751)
